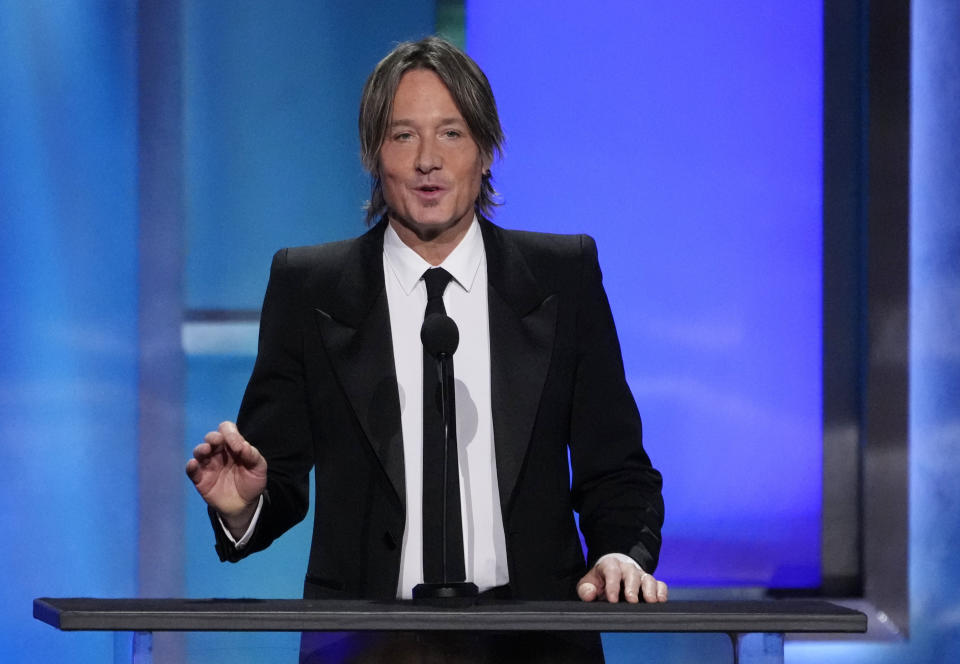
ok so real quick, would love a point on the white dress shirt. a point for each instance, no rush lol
(465, 300)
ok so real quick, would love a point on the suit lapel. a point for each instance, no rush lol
(522, 329)
(355, 328)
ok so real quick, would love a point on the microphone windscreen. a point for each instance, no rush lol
(439, 335)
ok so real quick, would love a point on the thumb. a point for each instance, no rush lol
(589, 586)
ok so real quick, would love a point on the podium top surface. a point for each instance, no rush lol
(278, 615)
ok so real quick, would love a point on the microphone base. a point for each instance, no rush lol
(445, 590)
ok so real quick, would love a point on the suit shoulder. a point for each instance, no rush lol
(560, 244)
(307, 258)
(316, 262)
(551, 253)
(331, 275)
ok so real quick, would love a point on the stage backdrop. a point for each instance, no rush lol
(687, 143)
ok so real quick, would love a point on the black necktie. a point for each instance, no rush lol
(434, 440)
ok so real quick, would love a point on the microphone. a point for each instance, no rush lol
(439, 335)
(440, 338)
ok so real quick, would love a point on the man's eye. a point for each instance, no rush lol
(403, 136)
(452, 133)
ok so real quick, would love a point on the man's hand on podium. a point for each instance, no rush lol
(230, 474)
(611, 574)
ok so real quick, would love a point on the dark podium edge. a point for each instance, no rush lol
(272, 615)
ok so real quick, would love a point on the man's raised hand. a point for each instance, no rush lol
(230, 474)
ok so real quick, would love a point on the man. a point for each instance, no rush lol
(337, 384)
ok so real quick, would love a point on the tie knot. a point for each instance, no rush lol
(436, 279)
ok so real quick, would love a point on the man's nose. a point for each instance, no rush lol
(428, 157)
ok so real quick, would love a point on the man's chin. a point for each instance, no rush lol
(426, 228)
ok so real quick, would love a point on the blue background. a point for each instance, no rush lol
(686, 138)
(703, 190)
(68, 306)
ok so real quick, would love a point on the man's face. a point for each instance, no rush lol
(430, 166)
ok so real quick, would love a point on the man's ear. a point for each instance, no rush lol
(485, 163)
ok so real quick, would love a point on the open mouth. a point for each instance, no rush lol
(429, 193)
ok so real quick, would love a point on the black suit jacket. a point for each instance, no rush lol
(324, 394)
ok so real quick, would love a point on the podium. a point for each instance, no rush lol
(756, 628)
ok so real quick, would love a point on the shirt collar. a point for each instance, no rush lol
(408, 266)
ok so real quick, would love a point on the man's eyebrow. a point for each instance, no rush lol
(443, 121)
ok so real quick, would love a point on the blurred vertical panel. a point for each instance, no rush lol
(917, 47)
(68, 316)
(161, 364)
(844, 240)
(886, 384)
(934, 506)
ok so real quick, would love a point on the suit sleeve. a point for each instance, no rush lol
(273, 414)
(616, 490)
